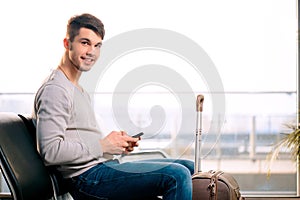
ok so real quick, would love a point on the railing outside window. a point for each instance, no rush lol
(240, 148)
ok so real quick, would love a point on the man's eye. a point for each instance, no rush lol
(84, 43)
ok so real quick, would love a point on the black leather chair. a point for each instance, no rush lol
(22, 167)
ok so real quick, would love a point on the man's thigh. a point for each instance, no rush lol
(138, 180)
(186, 163)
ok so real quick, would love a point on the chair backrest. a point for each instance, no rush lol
(21, 164)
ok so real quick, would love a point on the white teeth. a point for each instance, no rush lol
(88, 60)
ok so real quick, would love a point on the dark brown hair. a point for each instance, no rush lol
(84, 21)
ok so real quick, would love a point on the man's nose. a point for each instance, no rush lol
(91, 50)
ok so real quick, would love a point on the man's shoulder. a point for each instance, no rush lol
(57, 78)
(57, 83)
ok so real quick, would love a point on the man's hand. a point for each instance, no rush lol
(131, 146)
(118, 142)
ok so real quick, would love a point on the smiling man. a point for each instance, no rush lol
(69, 137)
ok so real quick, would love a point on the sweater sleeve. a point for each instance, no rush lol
(57, 144)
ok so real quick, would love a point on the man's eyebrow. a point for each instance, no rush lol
(86, 39)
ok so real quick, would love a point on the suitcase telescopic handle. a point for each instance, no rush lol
(199, 104)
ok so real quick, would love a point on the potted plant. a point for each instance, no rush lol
(290, 141)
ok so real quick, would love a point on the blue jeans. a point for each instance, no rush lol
(144, 179)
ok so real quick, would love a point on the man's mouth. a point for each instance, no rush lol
(88, 60)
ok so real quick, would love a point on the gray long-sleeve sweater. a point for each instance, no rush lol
(67, 131)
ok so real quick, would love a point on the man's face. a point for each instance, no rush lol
(85, 49)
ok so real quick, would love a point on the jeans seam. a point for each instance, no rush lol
(174, 186)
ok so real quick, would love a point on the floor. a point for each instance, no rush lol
(272, 198)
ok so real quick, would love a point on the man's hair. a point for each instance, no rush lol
(84, 21)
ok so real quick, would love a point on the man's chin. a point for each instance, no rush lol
(85, 68)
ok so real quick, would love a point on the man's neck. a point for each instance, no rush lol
(70, 71)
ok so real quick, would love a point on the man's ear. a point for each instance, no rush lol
(67, 43)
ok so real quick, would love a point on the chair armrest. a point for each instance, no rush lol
(5, 196)
(143, 154)
(150, 152)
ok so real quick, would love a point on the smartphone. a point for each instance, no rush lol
(138, 135)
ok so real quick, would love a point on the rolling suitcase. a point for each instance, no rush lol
(210, 185)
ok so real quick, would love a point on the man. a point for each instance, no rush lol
(68, 135)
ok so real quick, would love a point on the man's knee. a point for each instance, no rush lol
(188, 164)
(180, 181)
(179, 172)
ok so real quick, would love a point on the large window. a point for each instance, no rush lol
(157, 56)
